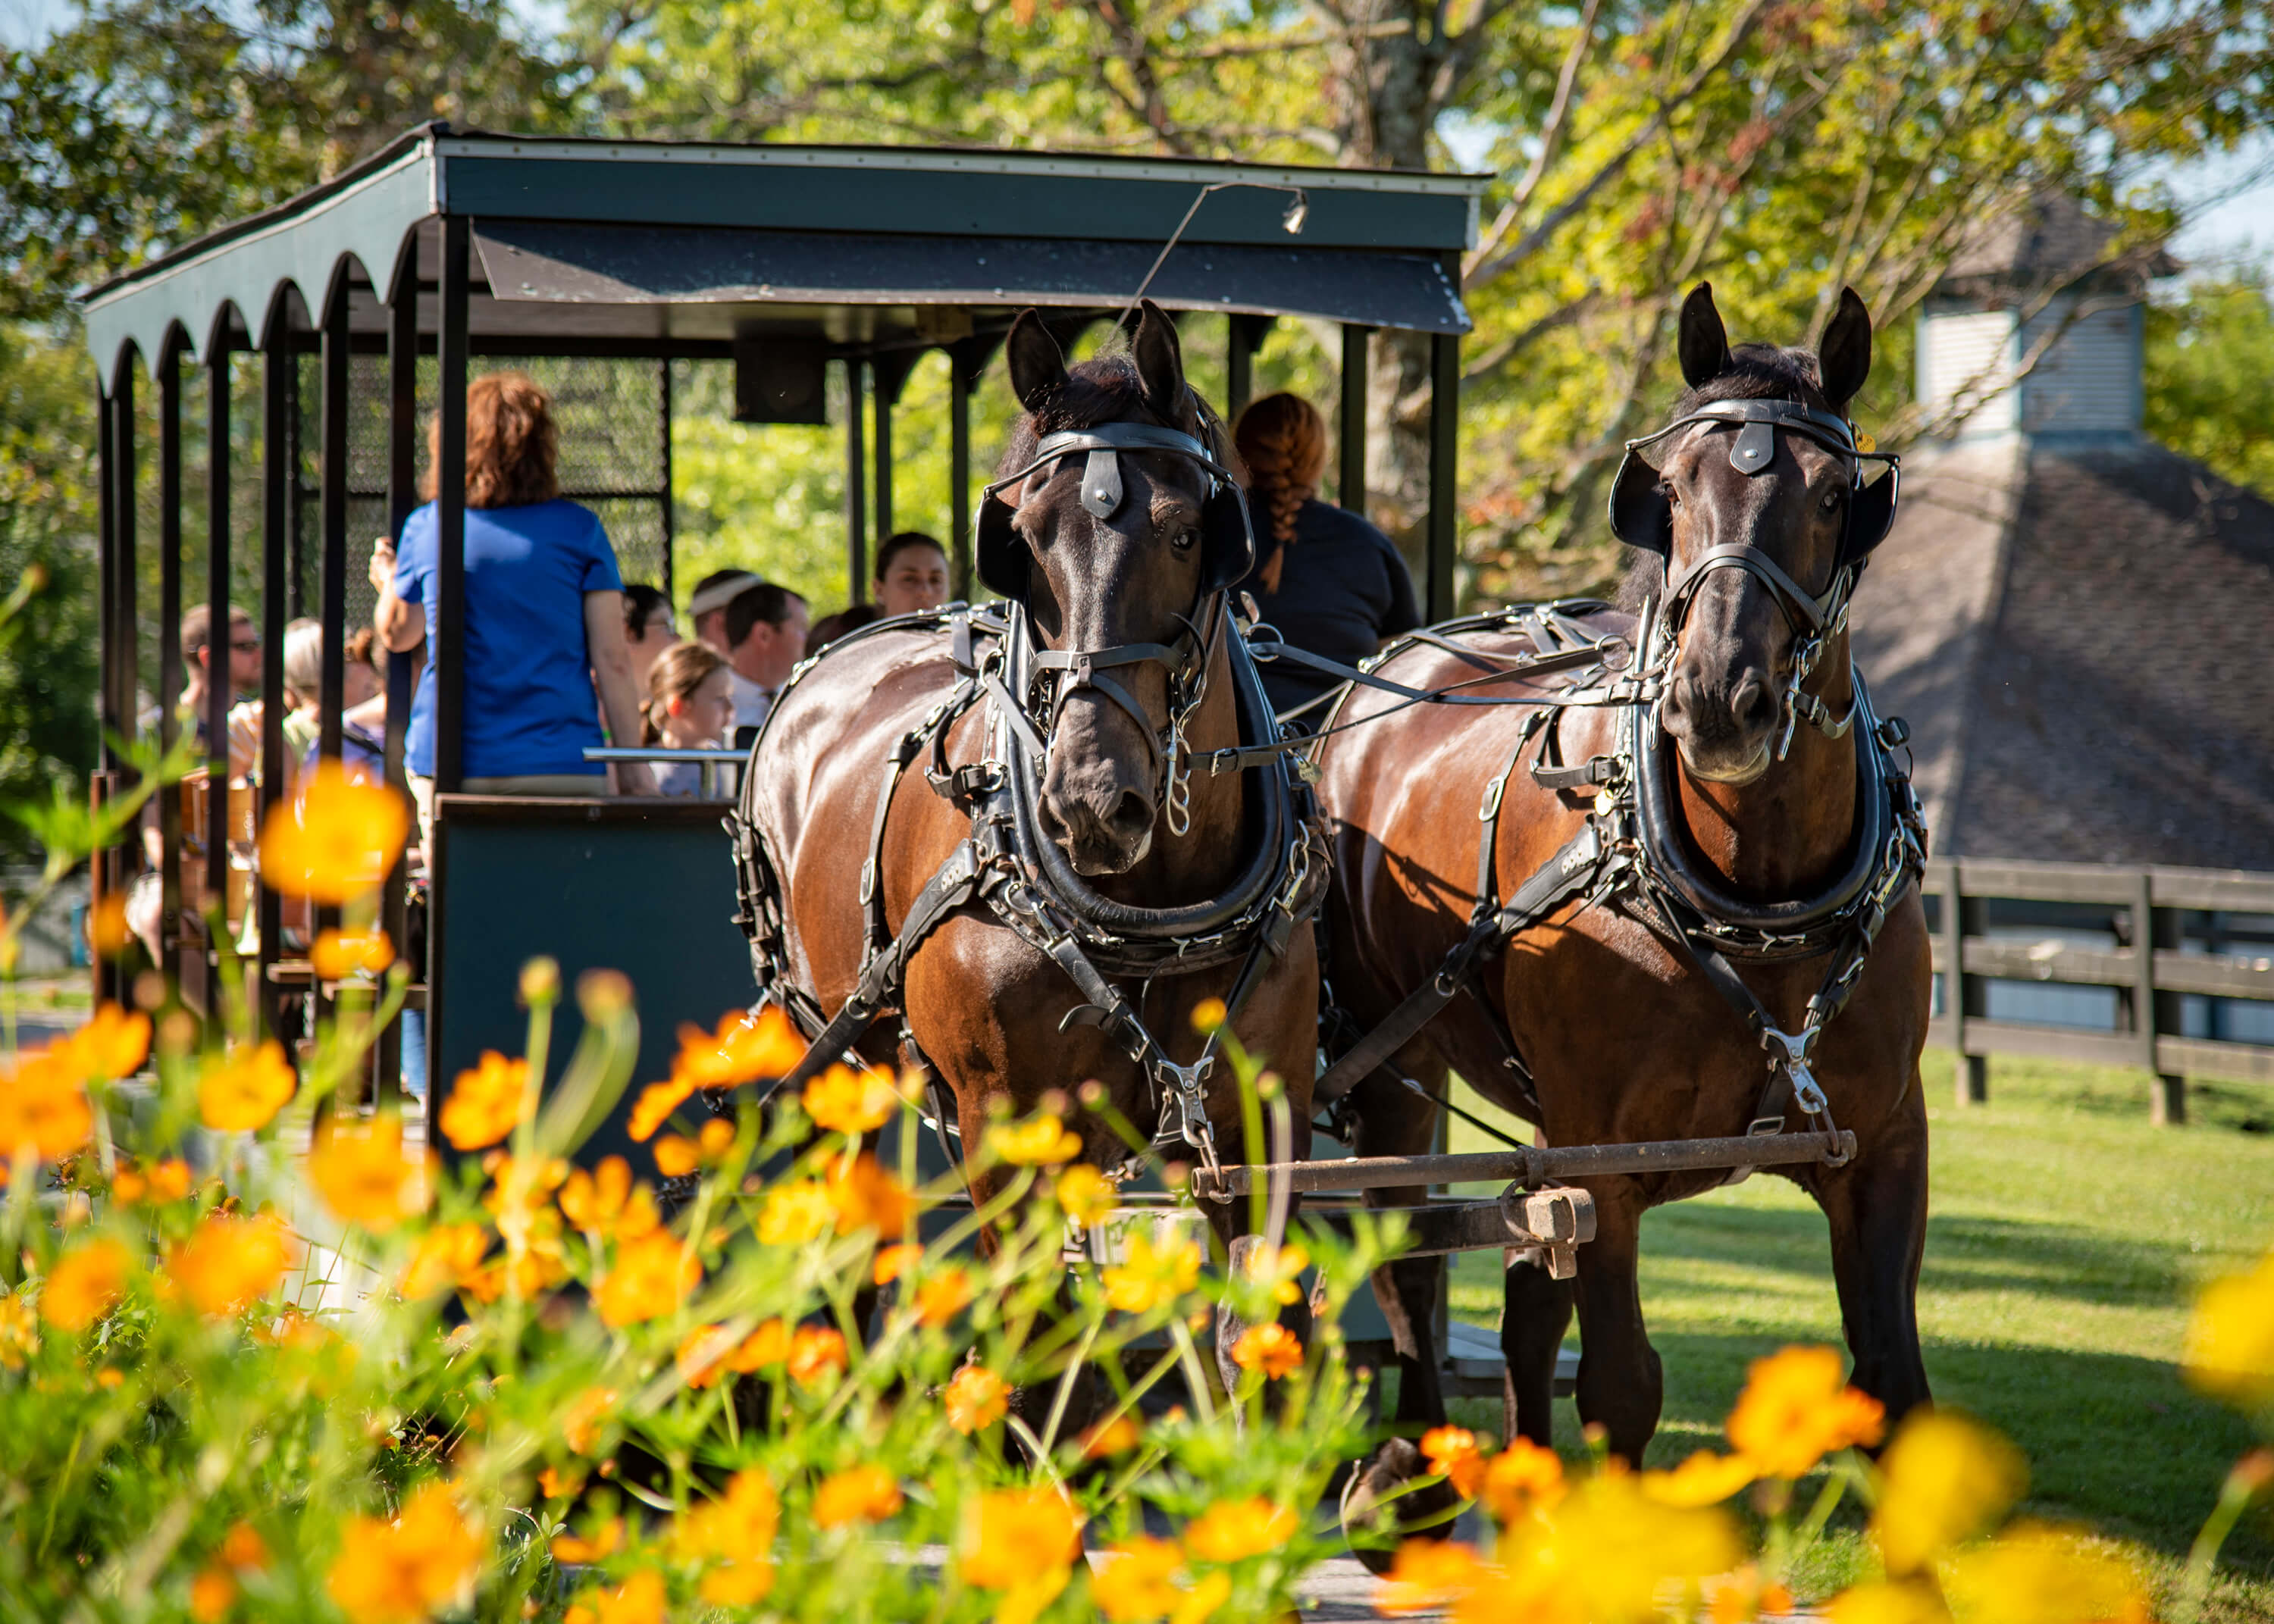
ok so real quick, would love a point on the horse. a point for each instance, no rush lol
(1720, 854)
(1050, 899)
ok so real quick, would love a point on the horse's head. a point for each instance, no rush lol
(1100, 571)
(1759, 486)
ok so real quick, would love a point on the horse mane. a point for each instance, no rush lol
(1105, 389)
(1756, 372)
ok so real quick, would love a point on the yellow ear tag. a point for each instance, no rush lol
(1864, 442)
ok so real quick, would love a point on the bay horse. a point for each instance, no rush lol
(1750, 872)
(1051, 890)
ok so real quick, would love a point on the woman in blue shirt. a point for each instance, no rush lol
(545, 618)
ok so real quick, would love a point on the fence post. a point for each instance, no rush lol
(1961, 997)
(2154, 1013)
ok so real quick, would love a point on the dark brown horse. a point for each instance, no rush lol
(1605, 1001)
(1128, 670)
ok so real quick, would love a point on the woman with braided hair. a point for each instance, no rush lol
(1327, 581)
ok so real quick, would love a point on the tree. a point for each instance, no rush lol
(2211, 374)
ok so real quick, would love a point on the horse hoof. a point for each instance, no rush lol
(1373, 1527)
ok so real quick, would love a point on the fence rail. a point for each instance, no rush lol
(2147, 911)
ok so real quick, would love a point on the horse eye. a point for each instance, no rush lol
(1665, 489)
(1832, 498)
(1185, 540)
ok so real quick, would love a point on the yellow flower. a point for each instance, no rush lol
(485, 1102)
(1023, 1542)
(1281, 1267)
(941, 1296)
(1898, 1601)
(1796, 1408)
(1705, 1479)
(607, 1541)
(112, 1044)
(655, 1105)
(1038, 1142)
(1118, 1436)
(447, 1256)
(795, 1214)
(2035, 1575)
(1086, 1194)
(2229, 1345)
(857, 1494)
(1135, 1585)
(739, 1523)
(1606, 1552)
(976, 1399)
(364, 1176)
(230, 1262)
(738, 1584)
(1150, 1277)
(891, 1262)
(1232, 1531)
(1522, 1478)
(240, 1092)
(1208, 1014)
(19, 1335)
(638, 1600)
(339, 954)
(864, 1196)
(816, 1354)
(1430, 1574)
(44, 1107)
(580, 1420)
(336, 841)
(1270, 1348)
(83, 1286)
(846, 1100)
(1452, 1454)
(1944, 1479)
(650, 1277)
(745, 1049)
(406, 1571)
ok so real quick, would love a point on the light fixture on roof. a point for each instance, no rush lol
(1299, 210)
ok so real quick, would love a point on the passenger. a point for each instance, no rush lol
(707, 609)
(360, 678)
(765, 639)
(911, 575)
(242, 670)
(1329, 582)
(648, 629)
(830, 628)
(303, 673)
(544, 613)
(689, 706)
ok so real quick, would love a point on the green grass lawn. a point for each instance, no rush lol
(2066, 1240)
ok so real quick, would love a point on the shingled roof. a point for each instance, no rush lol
(2047, 242)
(2081, 636)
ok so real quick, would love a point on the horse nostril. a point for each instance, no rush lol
(1133, 815)
(1753, 705)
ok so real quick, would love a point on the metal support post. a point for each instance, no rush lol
(1444, 449)
(278, 361)
(883, 396)
(450, 513)
(402, 499)
(961, 364)
(856, 525)
(217, 649)
(670, 515)
(1350, 482)
(1243, 336)
(170, 653)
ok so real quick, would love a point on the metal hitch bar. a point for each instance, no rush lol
(1528, 1164)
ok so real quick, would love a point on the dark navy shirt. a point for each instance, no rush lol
(1342, 590)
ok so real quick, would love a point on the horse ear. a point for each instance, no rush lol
(1037, 364)
(1703, 343)
(1160, 362)
(1844, 355)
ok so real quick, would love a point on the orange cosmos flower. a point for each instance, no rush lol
(230, 1262)
(1796, 1408)
(107, 930)
(1136, 1585)
(1208, 1014)
(943, 1295)
(857, 1494)
(244, 1089)
(817, 1353)
(651, 1276)
(363, 1175)
(584, 1415)
(707, 1353)
(639, 1599)
(745, 1049)
(160, 1182)
(1036, 1143)
(1523, 1477)
(1281, 1267)
(1148, 1277)
(795, 1214)
(741, 1520)
(19, 1336)
(606, 1541)
(44, 1107)
(1452, 1454)
(605, 1201)
(212, 1594)
(976, 1399)
(894, 1261)
(336, 842)
(447, 1256)
(1272, 1348)
(83, 1285)
(1232, 1531)
(1430, 1574)
(864, 1196)
(339, 954)
(850, 1102)
(676, 1157)
(113, 1043)
(1118, 1436)
(1086, 1194)
(486, 1103)
(1024, 1541)
(405, 1571)
(655, 1105)
(768, 1345)
(242, 1547)
(1704, 1479)
(1943, 1480)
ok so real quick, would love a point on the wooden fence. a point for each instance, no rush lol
(2152, 913)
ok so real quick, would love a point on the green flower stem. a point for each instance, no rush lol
(1204, 1395)
(2242, 1484)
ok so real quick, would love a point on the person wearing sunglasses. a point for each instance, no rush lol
(244, 665)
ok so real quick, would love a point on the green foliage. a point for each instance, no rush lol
(2210, 375)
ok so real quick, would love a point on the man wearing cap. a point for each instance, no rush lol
(707, 609)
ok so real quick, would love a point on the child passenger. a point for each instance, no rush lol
(689, 706)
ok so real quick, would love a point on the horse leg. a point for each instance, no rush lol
(1877, 1208)
(1621, 1387)
(1535, 1311)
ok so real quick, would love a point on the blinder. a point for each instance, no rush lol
(1227, 541)
(1641, 516)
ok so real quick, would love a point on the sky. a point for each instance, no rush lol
(2231, 195)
